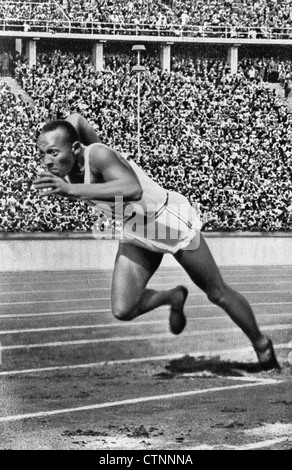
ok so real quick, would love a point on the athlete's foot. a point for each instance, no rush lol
(266, 355)
(177, 319)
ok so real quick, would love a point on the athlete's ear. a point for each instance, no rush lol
(76, 148)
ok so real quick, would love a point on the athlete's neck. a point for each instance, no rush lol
(77, 172)
(80, 157)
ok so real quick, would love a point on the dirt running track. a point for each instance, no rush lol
(72, 377)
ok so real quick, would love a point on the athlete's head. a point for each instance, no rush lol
(59, 146)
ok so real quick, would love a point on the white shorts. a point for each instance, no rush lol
(174, 227)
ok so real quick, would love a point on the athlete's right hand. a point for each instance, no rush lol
(51, 185)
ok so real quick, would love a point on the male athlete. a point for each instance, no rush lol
(80, 167)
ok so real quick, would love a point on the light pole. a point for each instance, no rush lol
(138, 69)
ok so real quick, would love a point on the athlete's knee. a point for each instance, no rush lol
(123, 313)
(218, 295)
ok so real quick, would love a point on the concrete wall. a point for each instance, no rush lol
(61, 252)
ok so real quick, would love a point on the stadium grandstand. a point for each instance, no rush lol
(213, 125)
(212, 18)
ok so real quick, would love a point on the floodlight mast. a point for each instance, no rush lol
(139, 69)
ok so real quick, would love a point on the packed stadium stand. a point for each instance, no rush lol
(223, 139)
(199, 18)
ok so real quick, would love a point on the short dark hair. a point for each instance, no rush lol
(70, 131)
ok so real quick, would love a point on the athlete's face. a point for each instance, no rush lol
(57, 153)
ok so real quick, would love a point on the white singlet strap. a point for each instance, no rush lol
(87, 178)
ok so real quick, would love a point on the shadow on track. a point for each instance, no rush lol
(207, 367)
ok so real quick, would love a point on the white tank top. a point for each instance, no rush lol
(154, 198)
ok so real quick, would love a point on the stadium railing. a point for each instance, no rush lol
(130, 29)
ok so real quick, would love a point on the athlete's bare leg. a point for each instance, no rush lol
(134, 267)
(203, 271)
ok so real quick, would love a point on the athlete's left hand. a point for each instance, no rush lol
(51, 185)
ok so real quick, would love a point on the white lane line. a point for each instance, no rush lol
(141, 360)
(263, 444)
(175, 268)
(250, 379)
(46, 314)
(133, 338)
(133, 401)
(56, 281)
(73, 312)
(59, 291)
(84, 287)
(251, 446)
(152, 285)
(80, 327)
(264, 304)
(127, 325)
(178, 275)
(103, 299)
(163, 269)
(93, 299)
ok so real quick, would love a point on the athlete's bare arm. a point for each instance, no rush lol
(86, 132)
(118, 180)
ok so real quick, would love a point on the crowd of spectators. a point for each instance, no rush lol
(234, 18)
(271, 70)
(21, 209)
(224, 141)
(166, 13)
(25, 15)
(270, 13)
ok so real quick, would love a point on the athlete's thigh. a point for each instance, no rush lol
(201, 267)
(134, 267)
